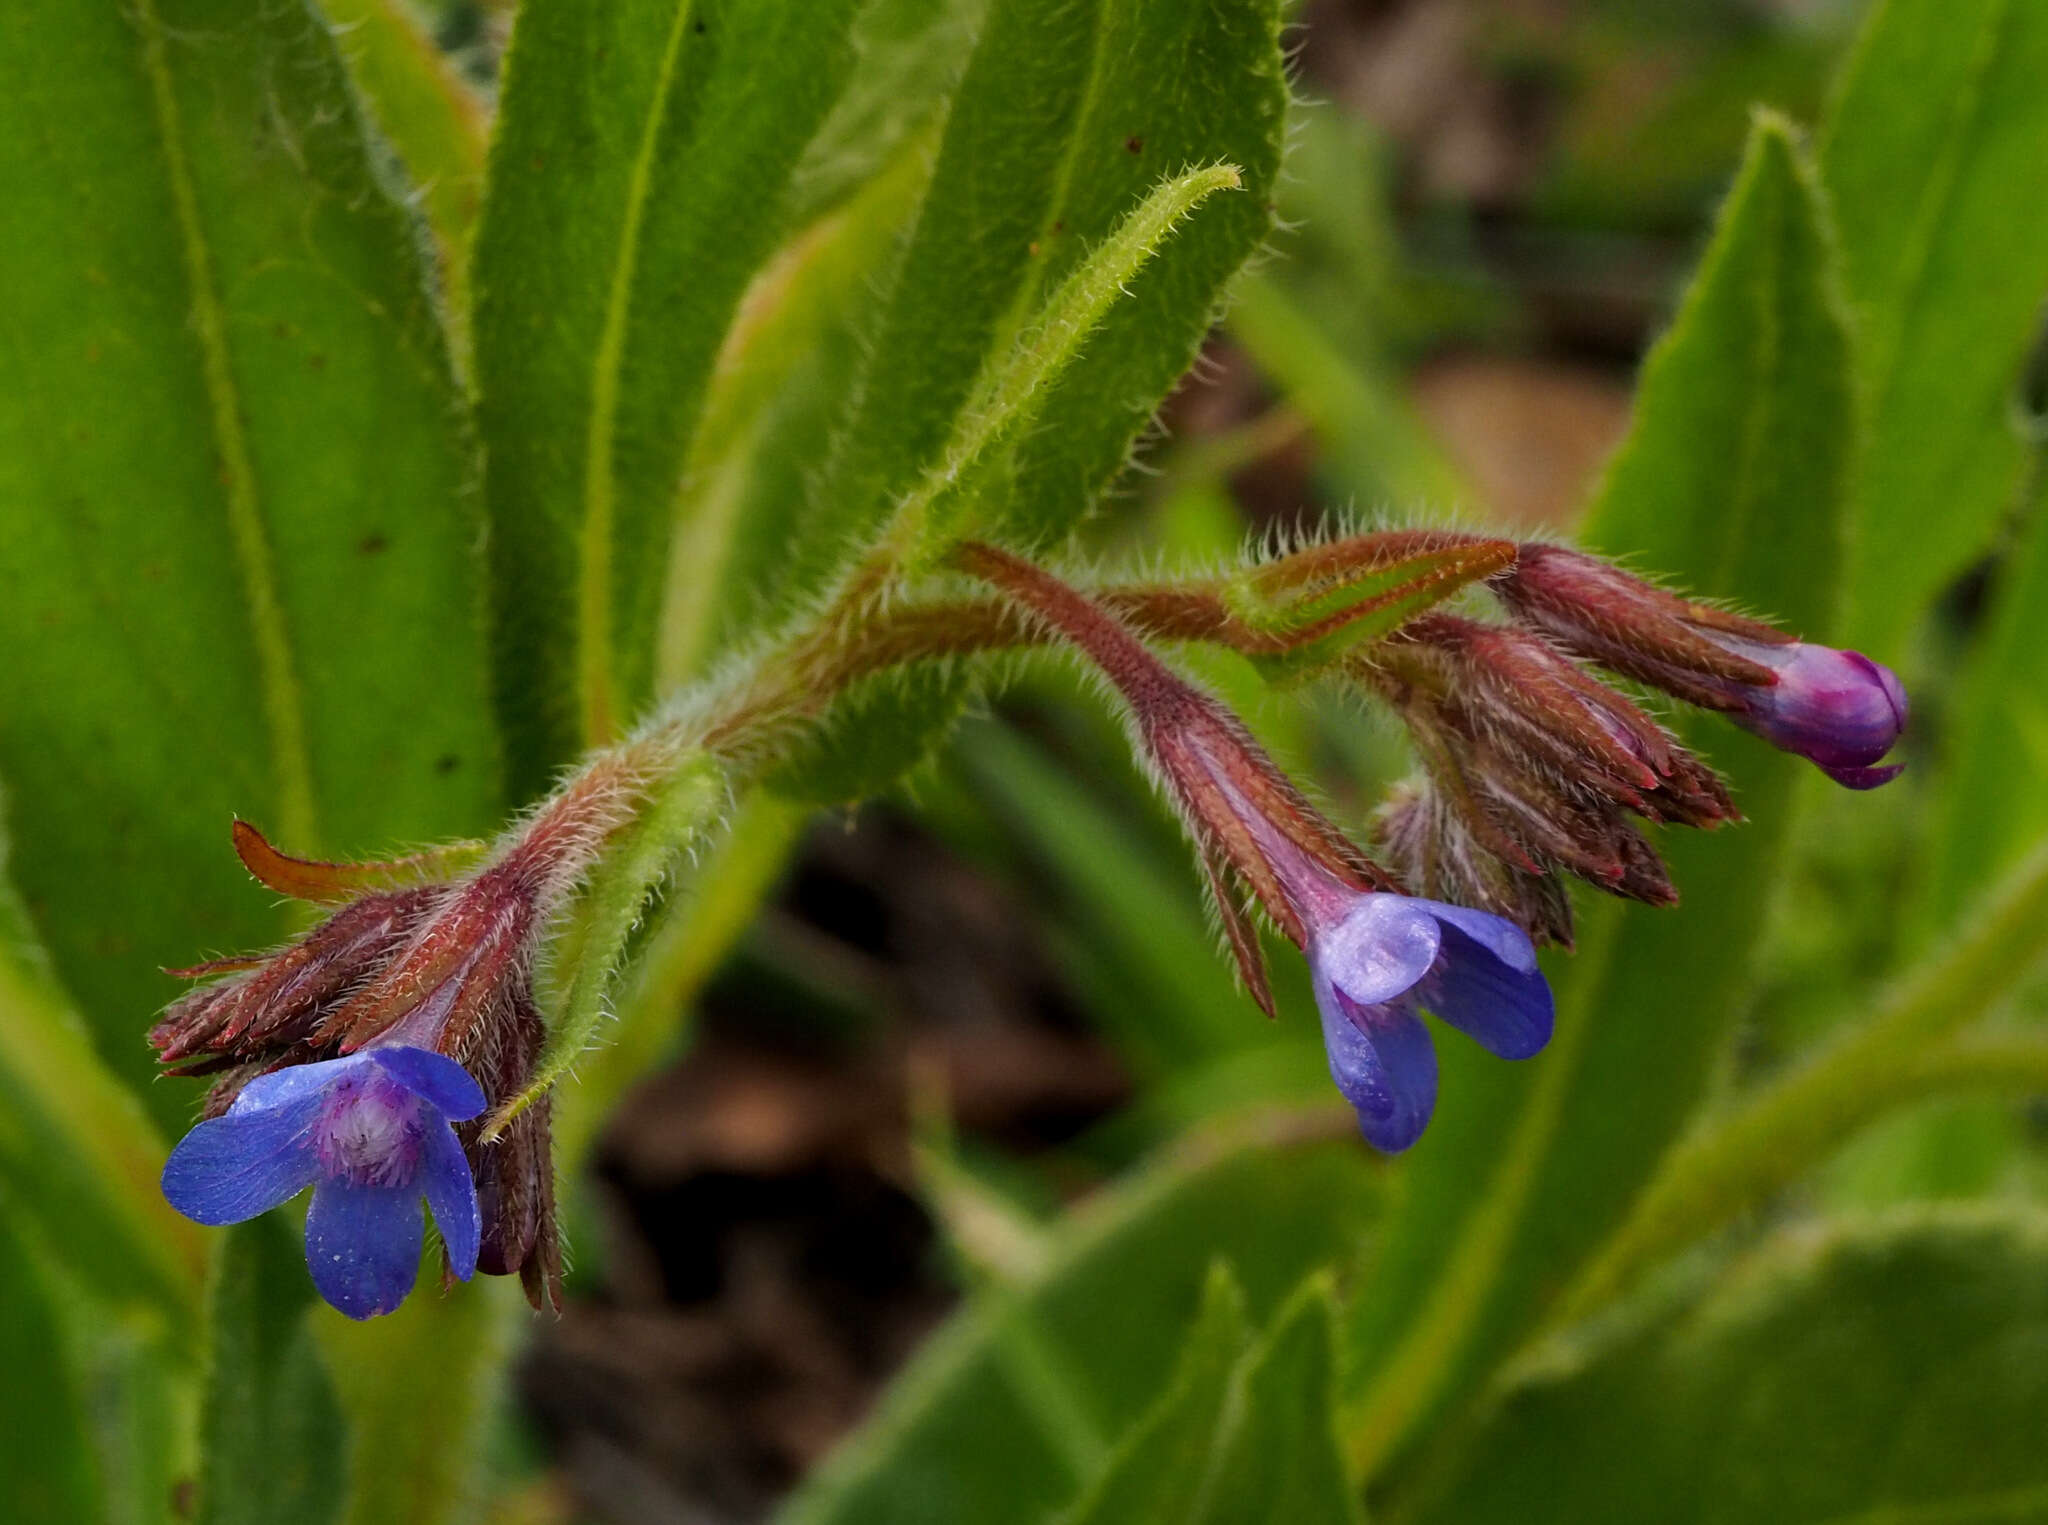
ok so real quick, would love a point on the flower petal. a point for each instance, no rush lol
(1378, 951)
(1497, 935)
(1384, 1063)
(1863, 778)
(363, 1245)
(1502, 1004)
(294, 1084)
(232, 1168)
(433, 1077)
(451, 1192)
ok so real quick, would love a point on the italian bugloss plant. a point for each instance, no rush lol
(594, 484)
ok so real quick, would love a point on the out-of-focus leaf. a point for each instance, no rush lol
(1376, 445)
(1159, 1470)
(639, 179)
(416, 1385)
(885, 725)
(911, 54)
(78, 1156)
(47, 1468)
(1281, 1463)
(1778, 1131)
(236, 574)
(1938, 121)
(962, 1435)
(272, 1434)
(1237, 1447)
(1875, 1371)
(1731, 483)
(1993, 799)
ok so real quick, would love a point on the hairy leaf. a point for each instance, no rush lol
(238, 577)
(638, 181)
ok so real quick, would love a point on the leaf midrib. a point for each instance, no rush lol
(282, 698)
(596, 682)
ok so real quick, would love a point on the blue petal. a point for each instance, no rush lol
(363, 1244)
(434, 1078)
(1384, 1063)
(1507, 1009)
(1378, 951)
(232, 1168)
(451, 1192)
(1496, 934)
(293, 1084)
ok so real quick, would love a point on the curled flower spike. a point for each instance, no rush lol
(1376, 956)
(371, 1134)
(1838, 709)
(1387, 956)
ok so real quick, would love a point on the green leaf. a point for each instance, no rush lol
(1280, 1463)
(1159, 1470)
(1237, 1446)
(271, 1431)
(1731, 482)
(1094, 119)
(1992, 803)
(78, 1156)
(1783, 1128)
(1938, 122)
(639, 179)
(1876, 1371)
(1073, 112)
(418, 1386)
(789, 358)
(238, 575)
(47, 1469)
(971, 1432)
(436, 120)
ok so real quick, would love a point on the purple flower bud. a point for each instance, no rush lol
(1386, 957)
(370, 1134)
(1836, 708)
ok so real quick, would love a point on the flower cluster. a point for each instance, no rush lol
(388, 1057)
(363, 1059)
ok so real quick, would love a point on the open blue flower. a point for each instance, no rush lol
(1387, 956)
(370, 1134)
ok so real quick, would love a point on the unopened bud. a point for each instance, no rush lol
(1838, 709)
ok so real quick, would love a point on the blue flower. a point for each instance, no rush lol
(1388, 955)
(370, 1134)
